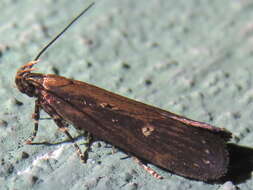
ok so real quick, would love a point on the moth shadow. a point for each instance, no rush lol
(241, 163)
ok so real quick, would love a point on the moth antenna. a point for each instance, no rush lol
(63, 31)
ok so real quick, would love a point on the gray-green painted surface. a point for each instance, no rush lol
(191, 57)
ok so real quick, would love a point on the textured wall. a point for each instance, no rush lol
(190, 57)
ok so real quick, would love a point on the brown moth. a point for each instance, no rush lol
(183, 146)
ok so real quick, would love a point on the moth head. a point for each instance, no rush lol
(24, 81)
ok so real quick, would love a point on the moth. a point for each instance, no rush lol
(175, 143)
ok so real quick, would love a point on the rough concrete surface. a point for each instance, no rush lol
(191, 57)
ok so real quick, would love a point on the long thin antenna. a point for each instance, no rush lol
(64, 30)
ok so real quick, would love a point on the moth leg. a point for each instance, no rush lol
(148, 169)
(62, 127)
(88, 144)
(114, 150)
(36, 117)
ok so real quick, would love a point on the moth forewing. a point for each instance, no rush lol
(140, 129)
